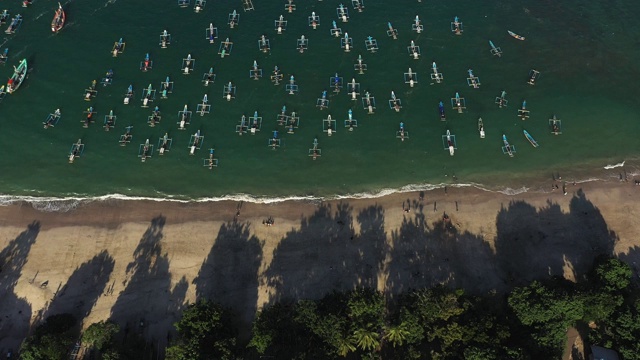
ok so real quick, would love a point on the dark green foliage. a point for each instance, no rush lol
(204, 332)
(548, 311)
(613, 275)
(100, 335)
(51, 340)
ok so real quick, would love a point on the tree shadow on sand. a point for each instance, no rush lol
(536, 243)
(424, 256)
(148, 305)
(229, 274)
(15, 313)
(326, 254)
(83, 288)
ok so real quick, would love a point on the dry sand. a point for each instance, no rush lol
(136, 261)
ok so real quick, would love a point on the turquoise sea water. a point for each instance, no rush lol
(587, 53)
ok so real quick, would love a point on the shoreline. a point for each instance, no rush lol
(69, 203)
(165, 252)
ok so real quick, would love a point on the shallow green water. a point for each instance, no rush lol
(586, 53)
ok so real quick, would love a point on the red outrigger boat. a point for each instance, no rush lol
(58, 19)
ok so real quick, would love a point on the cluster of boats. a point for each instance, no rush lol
(253, 124)
(21, 70)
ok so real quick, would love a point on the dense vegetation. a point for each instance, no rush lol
(436, 323)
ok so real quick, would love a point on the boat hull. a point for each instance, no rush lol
(58, 20)
(516, 36)
(18, 77)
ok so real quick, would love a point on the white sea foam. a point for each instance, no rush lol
(510, 191)
(609, 167)
(64, 204)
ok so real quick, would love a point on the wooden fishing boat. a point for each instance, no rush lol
(58, 19)
(530, 138)
(516, 36)
(18, 76)
(507, 149)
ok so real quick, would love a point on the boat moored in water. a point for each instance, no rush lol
(58, 19)
(19, 74)
(15, 25)
(530, 138)
(507, 149)
(516, 36)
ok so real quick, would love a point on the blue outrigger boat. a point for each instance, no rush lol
(507, 149)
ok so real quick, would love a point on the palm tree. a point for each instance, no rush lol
(345, 346)
(396, 334)
(366, 339)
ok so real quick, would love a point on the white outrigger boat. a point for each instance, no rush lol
(184, 118)
(76, 151)
(229, 91)
(209, 77)
(329, 125)
(155, 117)
(292, 123)
(14, 25)
(188, 65)
(90, 92)
(89, 115)
(128, 95)
(275, 140)
(164, 144)
(314, 20)
(165, 39)
(255, 122)
(204, 107)
(195, 142)
(456, 26)
(410, 78)
(4, 56)
(19, 74)
(391, 32)
(350, 123)
(109, 121)
(280, 25)
(126, 137)
(343, 13)
(481, 128)
(555, 125)
(315, 151)
(4, 17)
(449, 142)
(358, 5)
(402, 133)
(290, 7)
(233, 19)
(212, 33)
(225, 48)
(506, 148)
(199, 5)
(530, 138)
(145, 151)
(495, 51)
(211, 161)
(118, 48)
(52, 119)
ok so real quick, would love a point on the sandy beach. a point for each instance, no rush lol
(143, 261)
